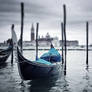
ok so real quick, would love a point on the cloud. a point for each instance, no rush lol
(48, 12)
(47, 9)
(79, 10)
(34, 11)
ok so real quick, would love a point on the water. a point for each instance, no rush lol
(78, 78)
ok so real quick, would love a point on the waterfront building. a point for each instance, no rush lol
(69, 43)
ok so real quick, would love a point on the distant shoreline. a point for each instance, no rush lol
(57, 49)
(61, 49)
(76, 48)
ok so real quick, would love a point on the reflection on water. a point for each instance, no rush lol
(87, 81)
(42, 85)
(78, 78)
(3, 65)
(46, 85)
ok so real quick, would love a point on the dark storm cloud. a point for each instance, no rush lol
(10, 11)
(47, 9)
(8, 6)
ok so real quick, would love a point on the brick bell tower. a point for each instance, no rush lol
(32, 33)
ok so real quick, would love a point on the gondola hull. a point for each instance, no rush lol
(30, 70)
(4, 54)
(3, 59)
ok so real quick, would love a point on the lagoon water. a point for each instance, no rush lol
(77, 79)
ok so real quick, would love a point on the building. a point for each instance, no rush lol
(28, 43)
(45, 41)
(32, 33)
(69, 43)
(6, 43)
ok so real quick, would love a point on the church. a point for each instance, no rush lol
(45, 41)
(42, 41)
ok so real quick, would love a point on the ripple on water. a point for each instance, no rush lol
(78, 79)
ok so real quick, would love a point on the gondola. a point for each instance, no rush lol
(38, 69)
(4, 54)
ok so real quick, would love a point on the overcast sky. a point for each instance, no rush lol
(49, 13)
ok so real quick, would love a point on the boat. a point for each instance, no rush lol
(4, 54)
(38, 69)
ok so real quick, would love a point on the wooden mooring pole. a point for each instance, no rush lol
(22, 24)
(37, 28)
(87, 31)
(21, 35)
(64, 10)
(62, 34)
(12, 28)
(12, 57)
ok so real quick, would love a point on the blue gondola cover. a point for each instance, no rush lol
(53, 55)
(43, 61)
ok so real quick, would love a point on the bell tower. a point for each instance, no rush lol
(32, 33)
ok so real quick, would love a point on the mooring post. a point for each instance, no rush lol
(64, 10)
(12, 28)
(87, 31)
(37, 28)
(22, 24)
(62, 34)
(21, 35)
(12, 56)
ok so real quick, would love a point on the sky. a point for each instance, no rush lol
(49, 14)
